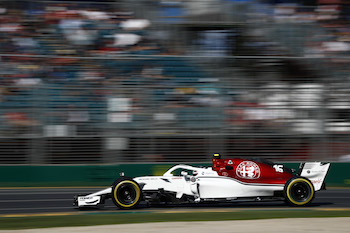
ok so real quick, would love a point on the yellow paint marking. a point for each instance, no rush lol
(334, 209)
(37, 215)
(330, 188)
(195, 211)
(245, 209)
(171, 211)
(159, 170)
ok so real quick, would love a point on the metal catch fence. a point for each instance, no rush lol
(81, 86)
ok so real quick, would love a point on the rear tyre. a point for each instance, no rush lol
(126, 193)
(299, 191)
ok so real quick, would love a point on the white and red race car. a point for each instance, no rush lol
(228, 180)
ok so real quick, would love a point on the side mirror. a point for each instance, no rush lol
(229, 168)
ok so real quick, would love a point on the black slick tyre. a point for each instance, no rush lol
(126, 193)
(299, 191)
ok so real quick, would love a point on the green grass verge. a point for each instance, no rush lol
(89, 219)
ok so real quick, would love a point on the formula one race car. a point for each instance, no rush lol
(228, 180)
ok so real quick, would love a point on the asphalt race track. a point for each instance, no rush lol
(60, 200)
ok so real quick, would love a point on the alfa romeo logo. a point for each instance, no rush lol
(248, 170)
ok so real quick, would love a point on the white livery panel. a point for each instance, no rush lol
(316, 172)
(224, 187)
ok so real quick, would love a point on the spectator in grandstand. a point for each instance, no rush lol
(20, 122)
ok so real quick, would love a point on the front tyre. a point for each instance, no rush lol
(299, 191)
(126, 193)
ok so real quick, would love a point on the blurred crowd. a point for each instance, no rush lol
(68, 70)
(44, 59)
(305, 86)
(49, 48)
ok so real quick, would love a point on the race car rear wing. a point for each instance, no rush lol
(316, 172)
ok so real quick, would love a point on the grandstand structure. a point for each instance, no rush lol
(153, 81)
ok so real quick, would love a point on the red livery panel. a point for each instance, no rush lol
(251, 171)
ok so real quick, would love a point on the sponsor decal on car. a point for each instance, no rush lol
(225, 174)
(248, 170)
(86, 198)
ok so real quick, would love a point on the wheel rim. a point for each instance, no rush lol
(127, 194)
(300, 192)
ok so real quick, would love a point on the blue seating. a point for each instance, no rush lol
(200, 117)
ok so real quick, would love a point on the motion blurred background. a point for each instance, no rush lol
(136, 81)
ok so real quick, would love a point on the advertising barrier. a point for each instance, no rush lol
(104, 175)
